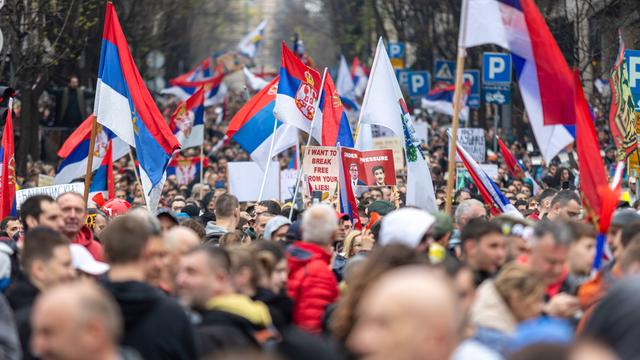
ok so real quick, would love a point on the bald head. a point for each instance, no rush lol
(409, 313)
(73, 320)
(181, 239)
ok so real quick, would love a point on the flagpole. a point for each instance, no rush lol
(133, 162)
(89, 173)
(266, 171)
(365, 99)
(457, 95)
(315, 112)
(201, 169)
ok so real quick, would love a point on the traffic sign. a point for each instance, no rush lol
(473, 76)
(497, 96)
(496, 78)
(419, 83)
(496, 68)
(444, 71)
(403, 78)
(396, 52)
(632, 58)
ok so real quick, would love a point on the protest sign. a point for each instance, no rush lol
(53, 191)
(473, 141)
(370, 168)
(396, 144)
(245, 178)
(320, 169)
(287, 183)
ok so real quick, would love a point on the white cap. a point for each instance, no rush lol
(82, 260)
(405, 226)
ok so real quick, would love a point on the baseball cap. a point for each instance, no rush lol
(405, 226)
(81, 259)
(443, 224)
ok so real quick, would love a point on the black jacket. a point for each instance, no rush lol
(154, 325)
(21, 294)
(280, 306)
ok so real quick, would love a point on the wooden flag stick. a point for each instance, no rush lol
(89, 173)
(201, 170)
(457, 95)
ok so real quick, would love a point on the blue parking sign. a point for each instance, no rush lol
(473, 76)
(444, 71)
(419, 83)
(496, 68)
(396, 50)
(632, 58)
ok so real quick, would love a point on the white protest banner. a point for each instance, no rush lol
(53, 191)
(320, 169)
(473, 141)
(287, 183)
(396, 145)
(245, 178)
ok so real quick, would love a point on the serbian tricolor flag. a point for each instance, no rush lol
(335, 124)
(298, 93)
(186, 169)
(516, 168)
(185, 85)
(187, 120)
(102, 187)
(252, 126)
(493, 197)
(8, 169)
(348, 203)
(440, 99)
(123, 105)
(544, 77)
(360, 78)
(75, 151)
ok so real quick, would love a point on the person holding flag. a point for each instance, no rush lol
(123, 105)
(8, 169)
(516, 168)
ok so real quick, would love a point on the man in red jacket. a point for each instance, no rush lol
(312, 285)
(74, 213)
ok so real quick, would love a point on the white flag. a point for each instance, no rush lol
(384, 105)
(250, 43)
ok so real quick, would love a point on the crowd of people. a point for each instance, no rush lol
(208, 276)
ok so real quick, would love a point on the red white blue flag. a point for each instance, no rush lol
(544, 78)
(102, 186)
(124, 105)
(75, 151)
(187, 120)
(185, 85)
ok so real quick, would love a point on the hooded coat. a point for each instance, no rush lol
(154, 324)
(85, 238)
(493, 320)
(312, 284)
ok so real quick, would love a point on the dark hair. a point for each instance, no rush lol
(631, 254)
(225, 204)
(376, 168)
(32, 207)
(563, 197)
(272, 206)
(628, 232)
(206, 200)
(580, 230)
(196, 226)
(5, 222)
(559, 230)
(477, 228)
(39, 244)
(217, 256)
(125, 239)
(546, 193)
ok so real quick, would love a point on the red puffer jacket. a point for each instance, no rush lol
(311, 285)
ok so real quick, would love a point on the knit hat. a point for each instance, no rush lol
(443, 224)
(273, 225)
(405, 226)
